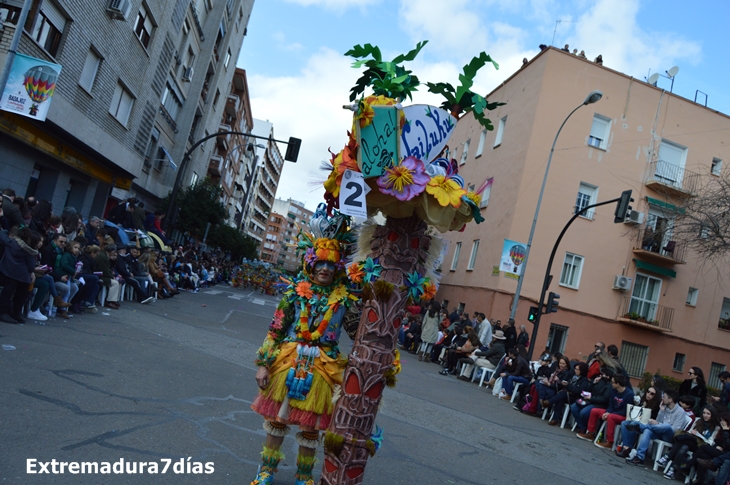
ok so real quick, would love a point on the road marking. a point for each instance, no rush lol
(256, 301)
(213, 292)
(235, 297)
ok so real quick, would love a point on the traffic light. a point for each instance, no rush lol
(553, 303)
(623, 207)
(292, 149)
(532, 317)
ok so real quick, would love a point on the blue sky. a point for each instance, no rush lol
(299, 78)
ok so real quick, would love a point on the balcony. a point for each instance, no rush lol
(223, 137)
(656, 246)
(216, 166)
(672, 180)
(647, 315)
(232, 102)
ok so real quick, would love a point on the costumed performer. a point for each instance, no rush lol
(300, 367)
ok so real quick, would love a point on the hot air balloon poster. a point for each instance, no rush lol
(30, 87)
(513, 255)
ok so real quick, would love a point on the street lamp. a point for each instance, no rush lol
(592, 97)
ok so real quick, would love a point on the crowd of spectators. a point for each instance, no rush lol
(63, 265)
(595, 392)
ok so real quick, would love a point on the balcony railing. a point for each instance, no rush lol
(658, 245)
(646, 314)
(673, 179)
(215, 166)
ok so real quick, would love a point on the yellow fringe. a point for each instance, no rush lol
(319, 399)
(333, 443)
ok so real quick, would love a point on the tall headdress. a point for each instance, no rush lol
(329, 239)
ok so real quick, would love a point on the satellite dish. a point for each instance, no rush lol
(653, 79)
(673, 71)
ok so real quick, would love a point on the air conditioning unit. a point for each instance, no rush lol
(119, 9)
(188, 74)
(621, 282)
(634, 217)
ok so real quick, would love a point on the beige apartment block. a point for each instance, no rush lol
(667, 313)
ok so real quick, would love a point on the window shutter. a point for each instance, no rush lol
(598, 129)
(54, 15)
(88, 74)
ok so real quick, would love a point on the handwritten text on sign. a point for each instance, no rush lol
(379, 142)
(426, 131)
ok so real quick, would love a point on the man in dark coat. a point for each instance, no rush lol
(11, 212)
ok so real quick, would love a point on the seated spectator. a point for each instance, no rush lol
(652, 400)
(413, 334)
(703, 432)
(104, 263)
(122, 267)
(657, 381)
(594, 365)
(577, 385)
(621, 395)
(686, 403)
(490, 359)
(72, 266)
(17, 272)
(92, 227)
(671, 419)
(457, 339)
(706, 455)
(164, 288)
(558, 380)
(462, 351)
(520, 373)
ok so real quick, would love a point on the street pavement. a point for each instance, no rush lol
(171, 383)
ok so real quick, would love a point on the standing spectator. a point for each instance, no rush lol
(721, 401)
(42, 213)
(17, 268)
(523, 338)
(92, 227)
(510, 333)
(485, 330)
(138, 216)
(594, 364)
(696, 387)
(11, 212)
(153, 224)
(104, 263)
(454, 315)
(430, 328)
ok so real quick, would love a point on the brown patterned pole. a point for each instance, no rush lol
(401, 247)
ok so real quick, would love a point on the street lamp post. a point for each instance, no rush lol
(592, 97)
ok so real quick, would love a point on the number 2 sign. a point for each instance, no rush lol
(352, 194)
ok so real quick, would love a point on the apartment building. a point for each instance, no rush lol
(279, 245)
(141, 81)
(267, 165)
(631, 284)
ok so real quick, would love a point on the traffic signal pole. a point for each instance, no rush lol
(548, 278)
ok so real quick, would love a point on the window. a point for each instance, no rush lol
(713, 380)
(189, 59)
(633, 358)
(473, 257)
(725, 314)
(645, 297)
(455, 261)
(461, 308)
(217, 97)
(151, 147)
(692, 296)
(587, 195)
(186, 27)
(122, 102)
(171, 101)
(557, 337)
(227, 59)
(480, 147)
(599, 132)
(716, 168)
(143, 26)
(572, 268)
(88, 73)
(465, 153)
(48, 27)
(500, 131)
(670, 165)
(486, 193)
(678, 364)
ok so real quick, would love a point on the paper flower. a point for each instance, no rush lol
(337, 294)
(304, 289)
(445, 191)
(355, 273)
(278, 317)
(372, 270)
(405, 180)
(414, 283)
(310, 256)
(365, 113)
(473, 207)
(429, 291)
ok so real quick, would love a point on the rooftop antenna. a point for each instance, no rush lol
(671, 74)
(556, 28)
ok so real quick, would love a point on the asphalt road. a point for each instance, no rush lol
(173, 380)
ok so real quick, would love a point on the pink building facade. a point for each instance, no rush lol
(666, 312)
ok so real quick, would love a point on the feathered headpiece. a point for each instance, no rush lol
(330, 239)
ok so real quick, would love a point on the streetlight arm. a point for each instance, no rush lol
(537, 213)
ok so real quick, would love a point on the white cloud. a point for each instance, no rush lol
(282, 43)
(336, 5)
(307, 105)
(610, 28)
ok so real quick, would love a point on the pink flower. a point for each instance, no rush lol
(405, 180)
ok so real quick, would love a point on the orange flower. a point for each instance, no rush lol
(429, 291)
(304, 289)
(355, 273)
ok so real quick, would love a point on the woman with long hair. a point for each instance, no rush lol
(696, 387)
(704, 431)
(429, 329)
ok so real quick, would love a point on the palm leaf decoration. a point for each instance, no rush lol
(388, 79)
(463, 99)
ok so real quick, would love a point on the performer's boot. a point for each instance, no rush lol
(305, 460)
(270, 459)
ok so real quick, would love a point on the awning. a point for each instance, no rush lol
(655, 268)
(169, 158)
(665, 205)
